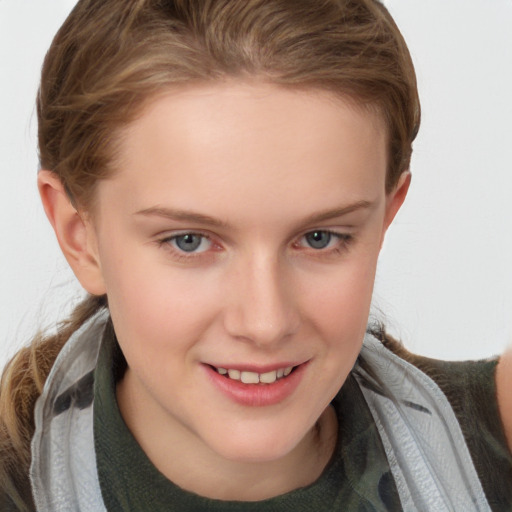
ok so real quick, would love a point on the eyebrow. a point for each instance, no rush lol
(200, 218)
(338, 212)
(182, 215)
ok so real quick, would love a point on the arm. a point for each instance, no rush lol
(504, 392)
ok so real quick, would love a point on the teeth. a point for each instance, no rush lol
(256, 378)
(234, 374)
(249, 378)
(268, 378)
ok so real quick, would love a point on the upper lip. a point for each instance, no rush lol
(257, 368)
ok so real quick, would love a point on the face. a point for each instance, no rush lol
(241, 235)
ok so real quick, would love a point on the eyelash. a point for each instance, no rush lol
(167, 243)
(343, 242)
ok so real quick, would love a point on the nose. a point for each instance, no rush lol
(261, 304)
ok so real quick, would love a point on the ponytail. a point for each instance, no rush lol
(21, 384)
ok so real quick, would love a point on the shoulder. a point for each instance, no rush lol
(470, 387)
(476, 392)
(476, 379)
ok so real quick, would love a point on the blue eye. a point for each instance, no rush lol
(190, 242)
(319, 239)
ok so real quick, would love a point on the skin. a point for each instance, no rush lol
(260, 167)
(504, 387)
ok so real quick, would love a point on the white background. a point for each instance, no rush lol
(444, 281)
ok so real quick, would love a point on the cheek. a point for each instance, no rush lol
(340, 301)
(153, 303)
(339, 314)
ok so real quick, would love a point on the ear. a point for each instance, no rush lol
(395, 199)
(75, 234)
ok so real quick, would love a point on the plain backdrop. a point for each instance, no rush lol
(444, 282)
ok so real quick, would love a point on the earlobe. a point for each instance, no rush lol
(75, 235)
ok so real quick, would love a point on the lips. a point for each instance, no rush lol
(250, 387)
(251, 377)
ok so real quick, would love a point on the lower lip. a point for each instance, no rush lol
(257, 395)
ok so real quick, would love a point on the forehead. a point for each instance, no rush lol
(252, 142)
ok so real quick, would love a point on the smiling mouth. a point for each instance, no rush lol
(247, 377)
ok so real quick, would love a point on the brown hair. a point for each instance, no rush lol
(111, 56)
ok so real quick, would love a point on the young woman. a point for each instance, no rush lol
(220, 176)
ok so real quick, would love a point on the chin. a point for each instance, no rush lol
(256, 445)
